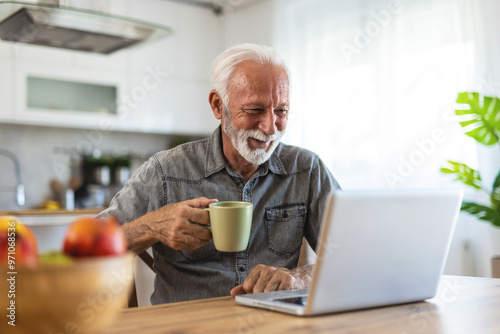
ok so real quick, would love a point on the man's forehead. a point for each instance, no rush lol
(251, 72)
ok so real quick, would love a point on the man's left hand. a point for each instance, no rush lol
(266, 279)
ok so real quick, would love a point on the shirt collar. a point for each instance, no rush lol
(215, 160)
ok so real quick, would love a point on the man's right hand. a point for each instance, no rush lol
(175, 225)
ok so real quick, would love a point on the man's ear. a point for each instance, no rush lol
(216, 103)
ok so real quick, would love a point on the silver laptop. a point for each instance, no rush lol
(376, 248)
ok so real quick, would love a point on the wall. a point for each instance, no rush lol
(186, 57)
(254, 24)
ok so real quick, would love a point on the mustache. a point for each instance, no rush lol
(244, 134)
(261, 136)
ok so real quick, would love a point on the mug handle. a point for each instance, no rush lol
(206, 226)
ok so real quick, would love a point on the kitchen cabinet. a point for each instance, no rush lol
(63, 65)
(6, 78)
(6, 90)
(162, 87)
(28, 112)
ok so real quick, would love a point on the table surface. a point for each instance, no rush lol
(462, 305)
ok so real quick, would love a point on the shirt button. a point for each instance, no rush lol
(241, 269)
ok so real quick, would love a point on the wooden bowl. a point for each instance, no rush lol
(82, 297)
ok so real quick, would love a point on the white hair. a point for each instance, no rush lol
(225, 64)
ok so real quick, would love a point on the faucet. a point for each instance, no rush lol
(20, 196)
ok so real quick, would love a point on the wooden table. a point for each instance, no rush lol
(463, 305)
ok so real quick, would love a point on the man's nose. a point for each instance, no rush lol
(267, 123)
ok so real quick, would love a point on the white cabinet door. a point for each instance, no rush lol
(56, 116)
(6, 76)
(6, 89)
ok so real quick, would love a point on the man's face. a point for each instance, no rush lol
(257, 113)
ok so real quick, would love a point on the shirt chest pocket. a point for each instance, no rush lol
(285, 228)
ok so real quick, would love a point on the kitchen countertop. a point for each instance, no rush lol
(42, 212)
(44, 217)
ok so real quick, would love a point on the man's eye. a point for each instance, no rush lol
(281, 112)
(254, 111)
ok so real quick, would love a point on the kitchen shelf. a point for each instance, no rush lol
(52, 94)
(41, 217)
(46, 212)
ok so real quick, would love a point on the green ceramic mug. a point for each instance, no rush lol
(230, 223)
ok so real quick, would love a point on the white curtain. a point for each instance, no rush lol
(375, 84)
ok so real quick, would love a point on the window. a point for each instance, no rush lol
(374, 85)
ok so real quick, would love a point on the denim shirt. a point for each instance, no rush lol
(288, 193)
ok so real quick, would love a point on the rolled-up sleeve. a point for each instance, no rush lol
(142, 193)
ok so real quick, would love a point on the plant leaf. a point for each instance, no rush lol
(482, 212)
(485, 112)
(464, 173)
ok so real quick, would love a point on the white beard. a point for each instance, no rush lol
(239, 139)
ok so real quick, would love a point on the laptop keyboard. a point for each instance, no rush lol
(298, 300)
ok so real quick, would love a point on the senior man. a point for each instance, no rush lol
(242, 160)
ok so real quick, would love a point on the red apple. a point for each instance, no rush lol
(18, 245)
(89, 236)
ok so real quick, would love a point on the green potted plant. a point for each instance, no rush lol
(481, 122)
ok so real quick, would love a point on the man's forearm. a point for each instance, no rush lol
(138, 234)
(171, 225)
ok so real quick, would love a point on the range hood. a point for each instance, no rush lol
(72, 28)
